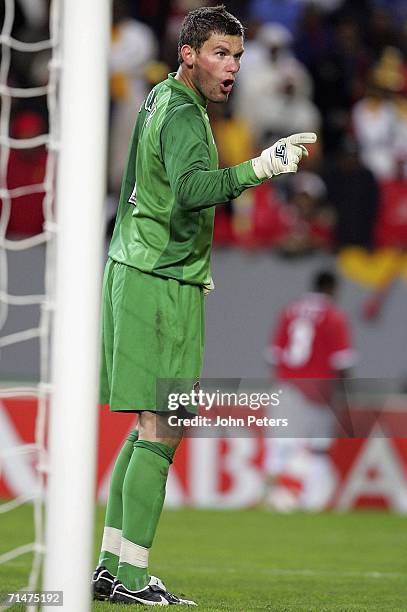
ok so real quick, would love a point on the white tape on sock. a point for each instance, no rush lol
(112, 539)
(133, 554)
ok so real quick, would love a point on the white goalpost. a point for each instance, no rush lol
(68, 306)
(80, 198)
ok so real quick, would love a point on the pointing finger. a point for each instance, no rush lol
(302, 138)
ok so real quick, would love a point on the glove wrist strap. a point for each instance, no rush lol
(259, 170)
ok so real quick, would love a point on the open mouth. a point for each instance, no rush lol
(227, 86)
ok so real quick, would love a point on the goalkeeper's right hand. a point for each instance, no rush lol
(283, 156)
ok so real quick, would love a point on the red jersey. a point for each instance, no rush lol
(312, 339)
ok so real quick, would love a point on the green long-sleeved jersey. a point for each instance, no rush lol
(164, 223)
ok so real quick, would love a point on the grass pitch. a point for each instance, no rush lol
(256, 560)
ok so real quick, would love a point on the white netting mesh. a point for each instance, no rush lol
(39, 390)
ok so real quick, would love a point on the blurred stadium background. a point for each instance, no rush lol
(337, 67)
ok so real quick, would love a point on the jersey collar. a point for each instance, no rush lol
(197, 98)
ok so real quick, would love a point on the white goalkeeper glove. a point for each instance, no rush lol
(283, 156)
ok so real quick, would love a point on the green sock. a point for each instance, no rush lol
(143, 499)
(109, 555)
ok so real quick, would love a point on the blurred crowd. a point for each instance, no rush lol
(336, 67)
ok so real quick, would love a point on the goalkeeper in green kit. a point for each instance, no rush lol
(155, 279)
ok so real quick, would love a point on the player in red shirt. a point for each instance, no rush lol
(310, 342)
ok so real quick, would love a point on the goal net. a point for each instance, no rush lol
(68, 252)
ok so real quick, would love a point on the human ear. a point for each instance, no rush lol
(188, 55)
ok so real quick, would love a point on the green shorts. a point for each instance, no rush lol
(152, 328)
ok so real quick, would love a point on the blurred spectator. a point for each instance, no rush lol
(311, 220)
(354, 193)
(26, 167)
(308, 222)
(285, 12)
(391, 224)
(133, 46)
(339, 74)
(382, 32)
(378, 122)
(291, 110)
(313, 36)
(261, 89)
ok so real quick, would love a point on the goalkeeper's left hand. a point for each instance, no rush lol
(284, 156)
(208, 287)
